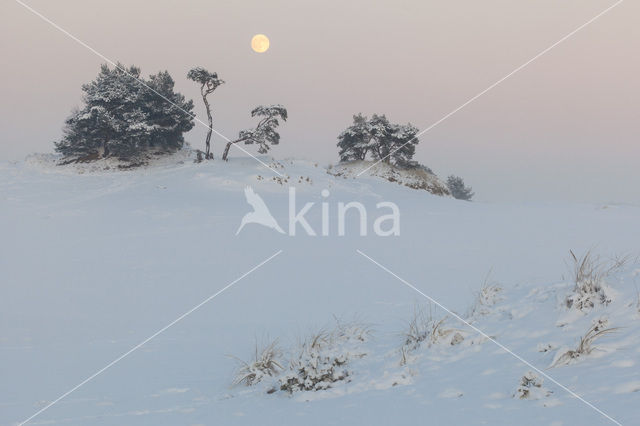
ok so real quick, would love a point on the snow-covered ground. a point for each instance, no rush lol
(94, 263)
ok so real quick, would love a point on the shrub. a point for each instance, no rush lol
(458, 189)
(323, 358)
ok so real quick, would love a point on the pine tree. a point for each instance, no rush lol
(265, 133)
(458, 189)
(378, 139)
(353, 142)
(403, 145)
(380, 142)
(209, 82)
(124, 118)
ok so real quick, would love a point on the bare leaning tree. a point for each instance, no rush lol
(265, 133)
(209, 81)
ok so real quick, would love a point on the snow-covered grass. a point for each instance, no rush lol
(486, 298)
(94, 261)
(424, 329)
(585, 347)
(416, 178)
(323, 358)
(315, 363)
(590, 273)
(531, 387)
(265, 363)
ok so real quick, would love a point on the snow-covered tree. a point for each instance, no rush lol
(124, 118)
(378, 139)
(209, 81)
(458, 189)
(354, 141)
(265, 133)
(402, 142)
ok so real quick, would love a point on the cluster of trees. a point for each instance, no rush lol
(126, 116)
(378, 139)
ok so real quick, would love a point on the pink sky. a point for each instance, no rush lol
(565, 127)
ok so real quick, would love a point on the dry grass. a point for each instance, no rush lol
(488, 296)
(353, 330)
(404, 356)
(418, 329)
(423, 328)
(585, 346)
(590, 273)
(414, 177)
(265, 364)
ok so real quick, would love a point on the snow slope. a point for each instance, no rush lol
(94, 263)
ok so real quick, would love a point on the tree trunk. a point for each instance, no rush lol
(226, 150)
(105, 147)
(225, 155)
(208, 154)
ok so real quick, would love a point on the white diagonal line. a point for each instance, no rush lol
(503, 347)
(94, 51)
(154, 335)
(590, 21)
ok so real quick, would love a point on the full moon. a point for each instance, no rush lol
(260, 43)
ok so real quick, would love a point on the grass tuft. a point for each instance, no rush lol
(424, 329)
(265, 363)
(590, 274)
(585, 346)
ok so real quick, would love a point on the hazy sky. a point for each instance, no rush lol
(565, 127)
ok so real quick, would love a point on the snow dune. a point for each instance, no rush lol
(93, 263)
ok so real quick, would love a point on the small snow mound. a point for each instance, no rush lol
(42, 161)
(451, 393)
(416, 178)
(628, 387)
(531, 387)
(57, 163)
